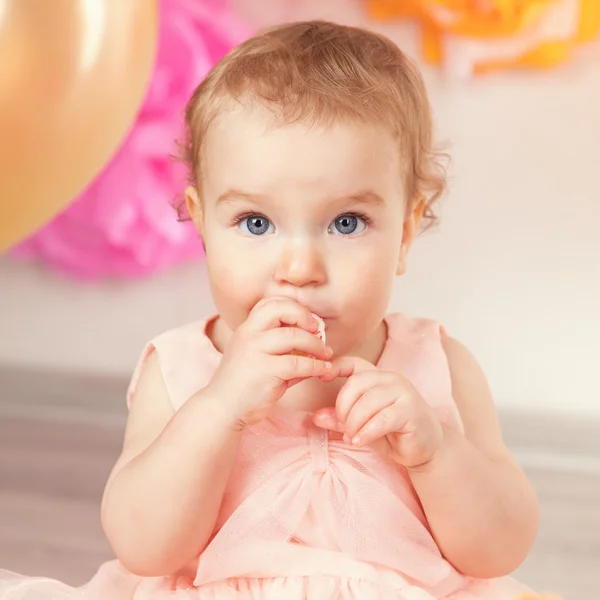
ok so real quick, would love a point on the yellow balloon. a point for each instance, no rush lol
(73, 74)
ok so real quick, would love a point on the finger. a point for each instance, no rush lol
(346, 366)
(369, 403)
(286, 340)
(279, 311)
(327, 419)
(290, 367)
(388, 420)
(356, 386)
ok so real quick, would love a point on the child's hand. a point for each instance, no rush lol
(275, 348)
(384, 410)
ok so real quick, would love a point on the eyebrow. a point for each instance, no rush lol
(233, 195)
(366, 197)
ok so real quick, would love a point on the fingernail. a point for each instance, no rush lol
(346, 438)
(356, 440)
(328, 365)
(329, 351)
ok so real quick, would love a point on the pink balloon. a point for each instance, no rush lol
(123, 224)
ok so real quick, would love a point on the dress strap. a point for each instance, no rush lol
(414, 349)
(187, 360)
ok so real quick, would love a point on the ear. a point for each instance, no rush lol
(409, 232)
(194, 207)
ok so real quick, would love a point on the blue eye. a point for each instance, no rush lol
(348, 224)
(254, 224)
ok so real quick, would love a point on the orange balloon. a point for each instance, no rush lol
(73, 74)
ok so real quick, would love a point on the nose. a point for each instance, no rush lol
(300, 264)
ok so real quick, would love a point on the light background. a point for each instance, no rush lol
(513, 270)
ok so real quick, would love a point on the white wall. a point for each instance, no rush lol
(513, 270)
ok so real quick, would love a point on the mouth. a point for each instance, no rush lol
(323, 317)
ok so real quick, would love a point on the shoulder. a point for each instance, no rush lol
(401, 323)
(411, 331)
(445, 357)
(473, 396)
(469, 383)
(190, 332)
(413, 349)
(460, 359)
(406, 328)
(182, 356)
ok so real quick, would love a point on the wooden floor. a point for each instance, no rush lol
(53, 465)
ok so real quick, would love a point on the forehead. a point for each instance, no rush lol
(247, 148)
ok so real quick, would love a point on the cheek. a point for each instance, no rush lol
(363, 285)
(367, 288)
(366, 273)
(236, 285)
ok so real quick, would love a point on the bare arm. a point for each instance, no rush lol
(480, 506)
(162, 498)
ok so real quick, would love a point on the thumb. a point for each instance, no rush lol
(327, 419)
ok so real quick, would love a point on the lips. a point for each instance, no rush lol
(323, 314)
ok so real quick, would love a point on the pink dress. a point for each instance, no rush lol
(305, 516)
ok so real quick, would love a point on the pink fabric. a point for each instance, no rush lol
(305, 516)
(123, 224)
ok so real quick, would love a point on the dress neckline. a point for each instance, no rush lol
(215, 356)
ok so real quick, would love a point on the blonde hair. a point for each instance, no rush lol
(320, 72)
